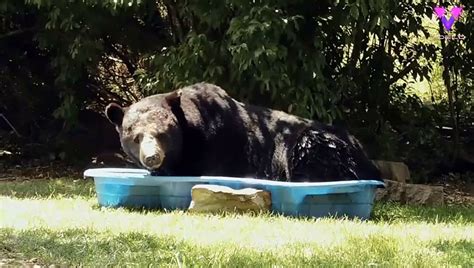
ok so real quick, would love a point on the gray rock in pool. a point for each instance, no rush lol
(215, 198)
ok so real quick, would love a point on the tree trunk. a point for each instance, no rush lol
(445, 53)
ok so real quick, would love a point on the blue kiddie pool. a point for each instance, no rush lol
(122, 187)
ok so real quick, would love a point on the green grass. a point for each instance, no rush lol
(59, 222)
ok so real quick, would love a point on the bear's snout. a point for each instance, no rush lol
(152, 161)
(151, 156)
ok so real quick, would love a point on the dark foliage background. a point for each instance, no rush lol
(351, 62)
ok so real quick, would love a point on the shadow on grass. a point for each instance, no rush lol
(98, 249)
(456, 250)
(87, 248)
(39, 188)
(80, 247)
(389, 212)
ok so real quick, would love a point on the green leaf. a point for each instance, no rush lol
(354, 11)
(363, 8)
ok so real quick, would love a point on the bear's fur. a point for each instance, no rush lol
(200, 130)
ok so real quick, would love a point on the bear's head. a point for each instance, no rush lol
(149, 130)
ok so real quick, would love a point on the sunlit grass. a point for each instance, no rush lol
(67, 227)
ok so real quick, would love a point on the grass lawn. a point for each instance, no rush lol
(59, 222)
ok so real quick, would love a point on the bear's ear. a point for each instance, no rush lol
(174, 98)
(114, 113)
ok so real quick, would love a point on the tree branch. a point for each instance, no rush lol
(175, 21)
(403, 72)
(130, 66)
(17, 32)
(111, 96)
(9, 124)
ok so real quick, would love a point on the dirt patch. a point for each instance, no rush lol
(18, 262)
(458, 188)
(14, 167)
(52, 170)
(12, 259)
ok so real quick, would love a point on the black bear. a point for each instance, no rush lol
(200, 130)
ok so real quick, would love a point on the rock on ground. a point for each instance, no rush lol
(396, 171)
(216, 198)
(411, 194)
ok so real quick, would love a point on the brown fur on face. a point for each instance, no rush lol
(148, 130)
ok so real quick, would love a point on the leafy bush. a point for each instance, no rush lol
(344, 61)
